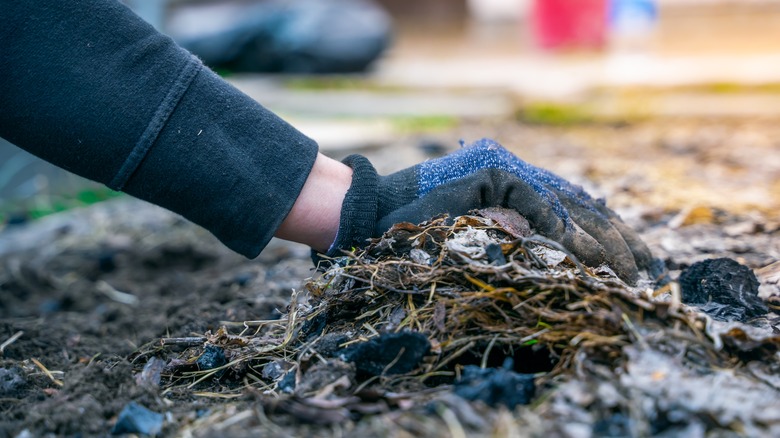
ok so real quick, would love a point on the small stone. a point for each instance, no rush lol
(151, 375)
(276, 369)
(135, 418)
(212, 357)
(287, 384)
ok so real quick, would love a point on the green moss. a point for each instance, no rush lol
(557, 114)
(337, 83)
(45, 204)
(424, 123)
(316, 83)
(223, 72)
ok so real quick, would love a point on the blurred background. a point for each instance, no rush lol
(667, 106)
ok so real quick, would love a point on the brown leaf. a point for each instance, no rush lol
(509, 220)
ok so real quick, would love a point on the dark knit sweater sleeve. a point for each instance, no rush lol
(90, 87)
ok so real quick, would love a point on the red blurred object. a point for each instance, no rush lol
(561, 24)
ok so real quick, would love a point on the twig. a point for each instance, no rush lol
(46, 371)
(116, 295)
(10, 341)
(186, 342)
(394, 361)
(454, 355)
(216, 395)
(487, 352)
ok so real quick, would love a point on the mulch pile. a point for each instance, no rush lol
(472, 325)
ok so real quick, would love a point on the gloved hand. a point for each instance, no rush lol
(482, 175)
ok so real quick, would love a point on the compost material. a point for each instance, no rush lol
(468, 306)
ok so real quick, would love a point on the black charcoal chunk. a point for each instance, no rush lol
(287, 384)
(137, 419)
(212, 357)
(722, 288)
(496, 386)
(389, 353)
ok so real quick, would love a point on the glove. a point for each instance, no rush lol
(483, 175)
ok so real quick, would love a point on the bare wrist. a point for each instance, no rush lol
(314, 218)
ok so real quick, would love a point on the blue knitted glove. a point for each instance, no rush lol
(483, 175)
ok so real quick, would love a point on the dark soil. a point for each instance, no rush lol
(56, 289)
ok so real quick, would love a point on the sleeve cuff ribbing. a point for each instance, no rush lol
(359, 210)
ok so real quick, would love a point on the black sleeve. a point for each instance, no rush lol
(90, 87)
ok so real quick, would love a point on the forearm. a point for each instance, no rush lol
(88, 86)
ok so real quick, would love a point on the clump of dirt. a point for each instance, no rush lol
(86, 400)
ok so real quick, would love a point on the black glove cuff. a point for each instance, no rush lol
(359, 210)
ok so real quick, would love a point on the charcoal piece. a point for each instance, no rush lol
(287, 384)
(724, 312)
(314, 327)
(135, 418)
(330, 344)
(722, 288)
(276, 370)
(496, 386)
(273, 370)
(389, 353)
(212, 357)
(495, 254)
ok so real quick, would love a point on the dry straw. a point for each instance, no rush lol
(481, 289)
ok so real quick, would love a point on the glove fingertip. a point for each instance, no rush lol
(584, 246)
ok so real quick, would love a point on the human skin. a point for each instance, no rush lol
(314, 218)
